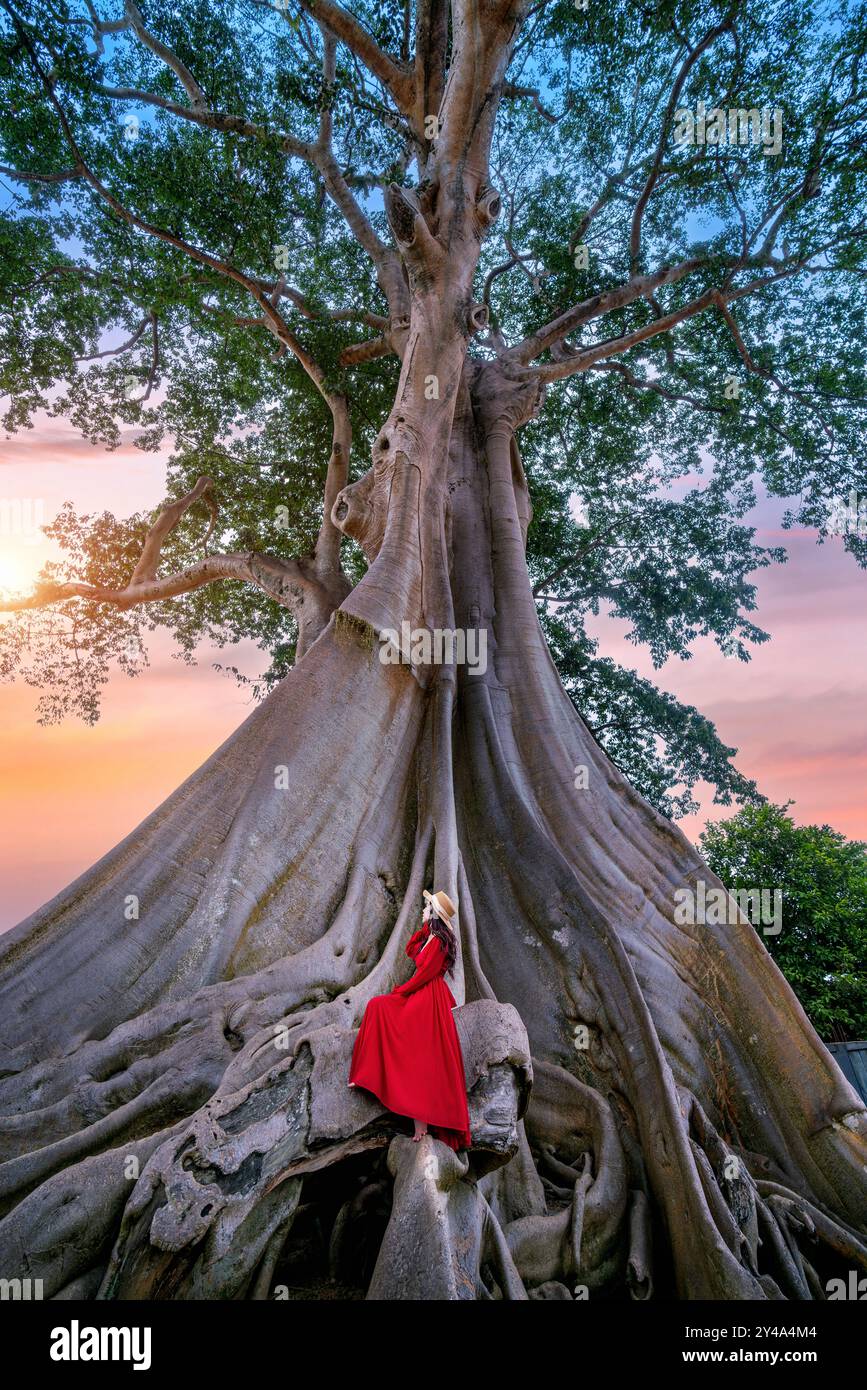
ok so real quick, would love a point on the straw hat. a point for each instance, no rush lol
(442, 905)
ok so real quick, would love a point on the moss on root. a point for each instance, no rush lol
(352, 631)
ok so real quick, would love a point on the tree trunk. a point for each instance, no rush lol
(174, 1101)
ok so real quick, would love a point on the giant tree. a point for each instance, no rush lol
(457, 233)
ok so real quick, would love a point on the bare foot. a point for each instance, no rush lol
(420, 1132)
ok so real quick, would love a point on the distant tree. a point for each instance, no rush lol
(822, 948)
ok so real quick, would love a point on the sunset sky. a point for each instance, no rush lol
(796, 712)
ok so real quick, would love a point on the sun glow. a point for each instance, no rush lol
(18, 569)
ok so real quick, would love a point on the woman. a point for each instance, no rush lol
(407, 1051)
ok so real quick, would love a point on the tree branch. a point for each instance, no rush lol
(63, 176)
(358, 353)
(755, 367)
(326, 554)
(207, 571)
(388, 266)
(125, 347)
(644, 384)
(572, 561)
(513, 91)
(393, 75)
(165, 54)
(396, 79)
(337, 24)
(612, 347)
(144, 586)
(166, 522)
(639, 287)
(223, 121)
(253, 285)
(101, 27)
(289, 582)
(691, 59)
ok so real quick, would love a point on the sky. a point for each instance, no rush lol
(796, 712)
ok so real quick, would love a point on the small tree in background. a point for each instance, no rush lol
(822, 948)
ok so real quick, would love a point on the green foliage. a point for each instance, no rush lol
(822, 948)
(665, 465)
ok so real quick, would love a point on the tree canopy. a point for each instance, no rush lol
(193, 248)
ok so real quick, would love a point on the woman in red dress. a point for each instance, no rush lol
(407, 1051)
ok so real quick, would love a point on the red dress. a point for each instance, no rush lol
(408, 1053)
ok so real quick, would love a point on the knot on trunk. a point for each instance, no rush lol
(414, 238)
(478, 318)
(402, 209)
(359, 511)
(488, 205)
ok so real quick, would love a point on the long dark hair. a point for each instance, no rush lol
(446, 937)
